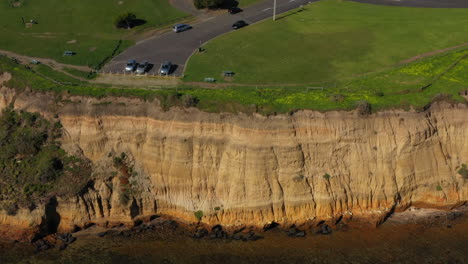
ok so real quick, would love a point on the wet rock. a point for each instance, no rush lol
(270, 226)
(63, 246)
(238, 236)
(200, 233)
(324, 230)
(454, 215)
(252, 236)
(218, 232)
(102, 234)
(154, 217)
(67, 238)
(42, 245)
(300, 234)
(216, 228)
(137, 223)
(293, 231)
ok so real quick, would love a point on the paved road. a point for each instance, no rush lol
(177, 47)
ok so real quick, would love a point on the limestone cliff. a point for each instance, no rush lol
(241, 169)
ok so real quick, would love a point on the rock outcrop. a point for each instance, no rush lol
(244, 169)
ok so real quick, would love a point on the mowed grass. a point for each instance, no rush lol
(85, 27)
(414, 85)
(327, 41)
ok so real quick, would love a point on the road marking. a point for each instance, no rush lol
(266, 9)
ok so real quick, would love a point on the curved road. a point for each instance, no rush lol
(177, 47)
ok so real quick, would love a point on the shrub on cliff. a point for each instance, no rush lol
(199, 215)
(32, 164)
(463, 171)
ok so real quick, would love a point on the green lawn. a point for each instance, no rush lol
(414, 85)
(84, 26)
(327, 41)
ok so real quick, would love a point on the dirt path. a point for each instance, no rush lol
(432, 53)
(23, 59)
(50, 62)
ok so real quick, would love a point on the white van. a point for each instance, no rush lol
(181, 27)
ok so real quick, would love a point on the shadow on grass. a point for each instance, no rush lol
(291, 13)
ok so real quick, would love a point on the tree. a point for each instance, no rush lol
(125, 20)
(199, 4)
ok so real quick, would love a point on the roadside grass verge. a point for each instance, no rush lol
(55, 75)
(415, 85)
(328, 41)
(85, 27)
(80, 74)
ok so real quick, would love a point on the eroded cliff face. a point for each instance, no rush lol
(250, 170)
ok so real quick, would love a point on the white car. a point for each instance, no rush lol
(141, 69)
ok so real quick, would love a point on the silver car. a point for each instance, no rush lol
(181, 27)
(165, 68)
(131, 64)
(141, 69)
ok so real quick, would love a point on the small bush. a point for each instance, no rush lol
(463, 171)
(298, 178)
(439, 188)
(337, 98)
(189, 101)
(199, 215)
(217, 208)
(326, 176)
(199, 4)
(364, 107)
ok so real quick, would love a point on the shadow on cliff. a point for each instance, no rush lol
(50, 220)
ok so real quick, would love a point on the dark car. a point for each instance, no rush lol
(234, 10)
(165, 68)
(239, 24)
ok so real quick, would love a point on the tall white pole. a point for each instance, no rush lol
(274, 10)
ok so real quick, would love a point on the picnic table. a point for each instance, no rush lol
(68, 53)
(228, 73)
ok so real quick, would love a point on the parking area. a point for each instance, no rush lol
(178, 47)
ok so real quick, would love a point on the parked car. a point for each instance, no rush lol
(234, 10)
(141, 69)
(131, 64)
(181, 27)
(239, 24)
(165, 68)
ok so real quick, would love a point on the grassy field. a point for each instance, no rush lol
(84, 26)
(414, 85)
(327, 41)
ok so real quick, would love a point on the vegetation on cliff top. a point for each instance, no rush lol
(415, 84)
(32, 164)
